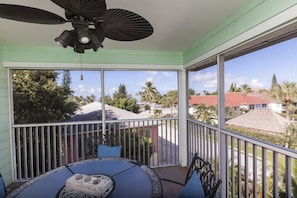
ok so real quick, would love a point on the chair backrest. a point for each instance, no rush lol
(2, 187)
(208, 178)
(92, 142)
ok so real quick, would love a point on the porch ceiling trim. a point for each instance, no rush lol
(285, 18)
(60, 55)
(88, 66)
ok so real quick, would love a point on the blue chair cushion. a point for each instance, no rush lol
(109, 151)
(2, 188)
(193, 188)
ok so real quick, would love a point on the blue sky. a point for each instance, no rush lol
(164, 81)
(255, 69)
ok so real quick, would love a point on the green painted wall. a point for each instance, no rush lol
(5, 146)
(254, 13)
(62, 55)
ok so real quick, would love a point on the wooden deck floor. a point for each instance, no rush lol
(176, 173)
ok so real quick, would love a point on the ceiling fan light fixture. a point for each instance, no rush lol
(83, 36)
(64, 39)
(79, 48)
(96, 44)
(81, 27)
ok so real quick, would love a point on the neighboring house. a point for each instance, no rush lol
(274, 104)
(262, 120)
(92, 112)
(276, 107)
(239, 101)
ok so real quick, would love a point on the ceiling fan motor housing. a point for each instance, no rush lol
(81, 26)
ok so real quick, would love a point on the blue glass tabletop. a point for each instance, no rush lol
(130, 179)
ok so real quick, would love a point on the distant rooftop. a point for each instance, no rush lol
(232, 99)
(92, 111)
(261, 119)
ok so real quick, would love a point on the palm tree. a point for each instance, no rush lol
(206, 114)
(91, 98)
(246, 88)
(286, 93)
(150, 93)
(291, 135)
(170, 100)
(234, 88)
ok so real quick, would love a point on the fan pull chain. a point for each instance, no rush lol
(81, 75)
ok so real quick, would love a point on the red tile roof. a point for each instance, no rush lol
(232, 99)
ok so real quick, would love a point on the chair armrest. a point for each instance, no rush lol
(213, 191)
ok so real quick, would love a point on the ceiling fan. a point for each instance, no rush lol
(90, 19)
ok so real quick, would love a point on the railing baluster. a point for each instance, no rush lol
(246, 168)
(239, 167)
(232, 167)
(53, 132)
(42, 150)
(31, 155)
(25, 151)
(60, 148)
(79, 129)
(19, 153)
(275, 174)
(48, 149)
(255, 173)
(37, 170)
(71, 142)
(264, 173)
(288, 176)
(65, 146)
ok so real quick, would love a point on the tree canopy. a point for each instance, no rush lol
(121, 99)
(150, 93)
(38, 98)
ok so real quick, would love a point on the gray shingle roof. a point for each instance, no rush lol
(92, 111)
(261, 119)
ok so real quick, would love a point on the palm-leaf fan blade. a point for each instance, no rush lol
(29, 14)
(124, 25)
(85, 8)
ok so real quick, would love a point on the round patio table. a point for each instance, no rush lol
(130, 179)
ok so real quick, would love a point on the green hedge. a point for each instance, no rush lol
(277, 139)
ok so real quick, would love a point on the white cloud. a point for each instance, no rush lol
(142, 84)
(231, 78)
(92, 90)
(255, 83)
(111, 91)
(148, 79)
(167, 74)
(208, 79)
(152, 73)
(80, 88)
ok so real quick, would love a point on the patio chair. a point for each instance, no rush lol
(200, 180)
(2, 187)
(102, 145)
